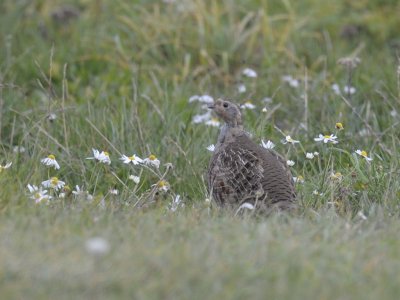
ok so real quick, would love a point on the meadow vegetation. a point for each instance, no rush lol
(131, 78)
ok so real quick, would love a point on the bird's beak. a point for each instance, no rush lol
(211, 106)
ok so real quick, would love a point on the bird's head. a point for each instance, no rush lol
(227, 111)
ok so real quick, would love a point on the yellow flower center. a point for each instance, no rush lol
(67, 188)
(214, 119)
(106, 153)
(300, 178)
(161, 183)
(37, 196)
(364, 153)
(152, 157)
(131, 157)
(339, 126)
(327, 136)
(54, 180)
(52, 157)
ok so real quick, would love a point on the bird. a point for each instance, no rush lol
(242, 172)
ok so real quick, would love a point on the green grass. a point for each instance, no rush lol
(118, 78)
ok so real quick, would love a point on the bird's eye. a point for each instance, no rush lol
(225, 104)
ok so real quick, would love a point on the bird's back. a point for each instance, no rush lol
(242, 171)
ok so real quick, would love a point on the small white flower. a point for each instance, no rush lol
(309, 155)
(51, 117)
(315, 193)
(135, 179)
(364, 154)
(298, 179)
(316, 153)
(18, 149)
(114, 191)
(206, 99)
(247, 205)
(152, 160)
(336, 176)
(6, 166)
(50, 161)
(241, 88)
(38, 194)
(248, 105)
(78, 191)
(267, 145)
(290, 163)
(162, 185)
(176, 203)
(349, 90)
(326, 138)
(201, 118)
(361, 215)
(53, 183)
(393, 113)
(97, 246)
(61, 195)
(291, 81)
(249, 73)
(131, 159)
(194, 98)
(264, 110)
(213, 122)
(211, 148)
(336, 88)
(288, 139)
(102, 156)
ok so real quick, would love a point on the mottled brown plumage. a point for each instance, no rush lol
(242, 171)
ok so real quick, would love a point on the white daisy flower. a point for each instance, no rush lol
(114, 191)
(211, 148)
(206, 99)
(152, 160)
(249, 73)
(291, 81)
(50, 161)
(248, 105)
(241, 88)
(309, 155)
(78, 191)
(316, 153)
(176, 203)
(267, 145)
(6, 166)
(364, 154)
(194, 98)
(336, 176)
(298, 179)
(103, 156)
(201, 118)
(336, 89)
(38, 194)
(53, 183)
(288, 139)
(135, 179)
(349, 90)
(361, 215)
(162, 185)
(131, 159)
(290, 163)
(18, 149)
(213, 122)
(326, 138)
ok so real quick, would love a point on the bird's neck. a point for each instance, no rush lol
(227, 132)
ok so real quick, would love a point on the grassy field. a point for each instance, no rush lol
(131, 78)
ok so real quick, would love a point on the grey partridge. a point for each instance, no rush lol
(241, 171)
